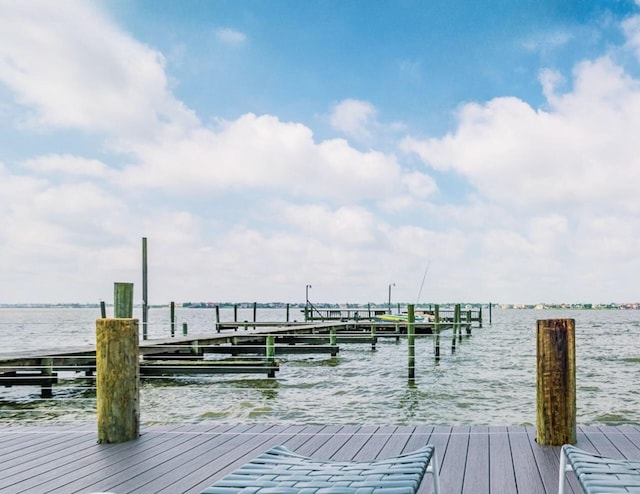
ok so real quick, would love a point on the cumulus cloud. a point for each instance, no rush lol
(547, 190)
(354, 118)
(575, 152)
(281, 155)
(73, 68)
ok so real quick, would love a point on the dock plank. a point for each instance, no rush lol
(476, 472)
(502, 478)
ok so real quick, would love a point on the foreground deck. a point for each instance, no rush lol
(187, 458)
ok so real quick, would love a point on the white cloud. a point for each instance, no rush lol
(281, 155)
(66, 62)
(354, 118)
(256, 206)
(67, 165)
(230, 36)
(582, 152)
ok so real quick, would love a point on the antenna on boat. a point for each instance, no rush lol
(423, 278)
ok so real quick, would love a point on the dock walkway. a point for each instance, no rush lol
(186, 458)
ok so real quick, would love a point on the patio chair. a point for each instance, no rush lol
(281, 471)
(598, 474)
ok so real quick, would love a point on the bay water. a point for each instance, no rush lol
(489, 380)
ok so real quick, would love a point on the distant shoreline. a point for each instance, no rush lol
(282, 305)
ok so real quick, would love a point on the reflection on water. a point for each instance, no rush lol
(489, 380)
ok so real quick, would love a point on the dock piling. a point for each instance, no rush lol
(122, 300)
(117, 380)
(173, 318)
(411, 337)
(436, 331)
(556, 382)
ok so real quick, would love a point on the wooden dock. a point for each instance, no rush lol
(186, 458)
(40, 368)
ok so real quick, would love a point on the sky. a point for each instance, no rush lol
(441, 151)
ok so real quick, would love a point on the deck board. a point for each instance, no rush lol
(187, 458)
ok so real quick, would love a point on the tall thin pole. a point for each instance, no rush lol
(145, 300)
(390, 285)
(307, 315)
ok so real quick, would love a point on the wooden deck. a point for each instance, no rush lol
(187, 458)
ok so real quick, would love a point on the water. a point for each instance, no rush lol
(490, 380)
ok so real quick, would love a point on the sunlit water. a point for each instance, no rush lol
(489, 380)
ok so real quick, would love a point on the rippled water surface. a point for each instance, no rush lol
(490, 379)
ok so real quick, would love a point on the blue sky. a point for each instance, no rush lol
(261, 146)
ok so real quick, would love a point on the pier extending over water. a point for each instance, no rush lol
(187, 354)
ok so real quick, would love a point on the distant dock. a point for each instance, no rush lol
(186, 354)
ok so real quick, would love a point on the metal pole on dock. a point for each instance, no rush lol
(556, 382)
(145, 299)
(173, 318)
(411, 337)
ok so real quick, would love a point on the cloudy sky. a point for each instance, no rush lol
(262, 146)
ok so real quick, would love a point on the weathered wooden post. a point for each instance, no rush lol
(217, 318)
(333, 341)
(255, 312)
(374, 337)
(287, 312)
(172, 311)
(117, 371)
(103, 310)
(235, 312)
(436, 331)
(411, 337)
(456, 327)
(468, 323)
(185, 329)
(490, 313)
(122, 300)
(556, 382)
(46, 370)
(270, 354)
(480, 317)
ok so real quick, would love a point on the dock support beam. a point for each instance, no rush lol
(556, 382)
(411, 341)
